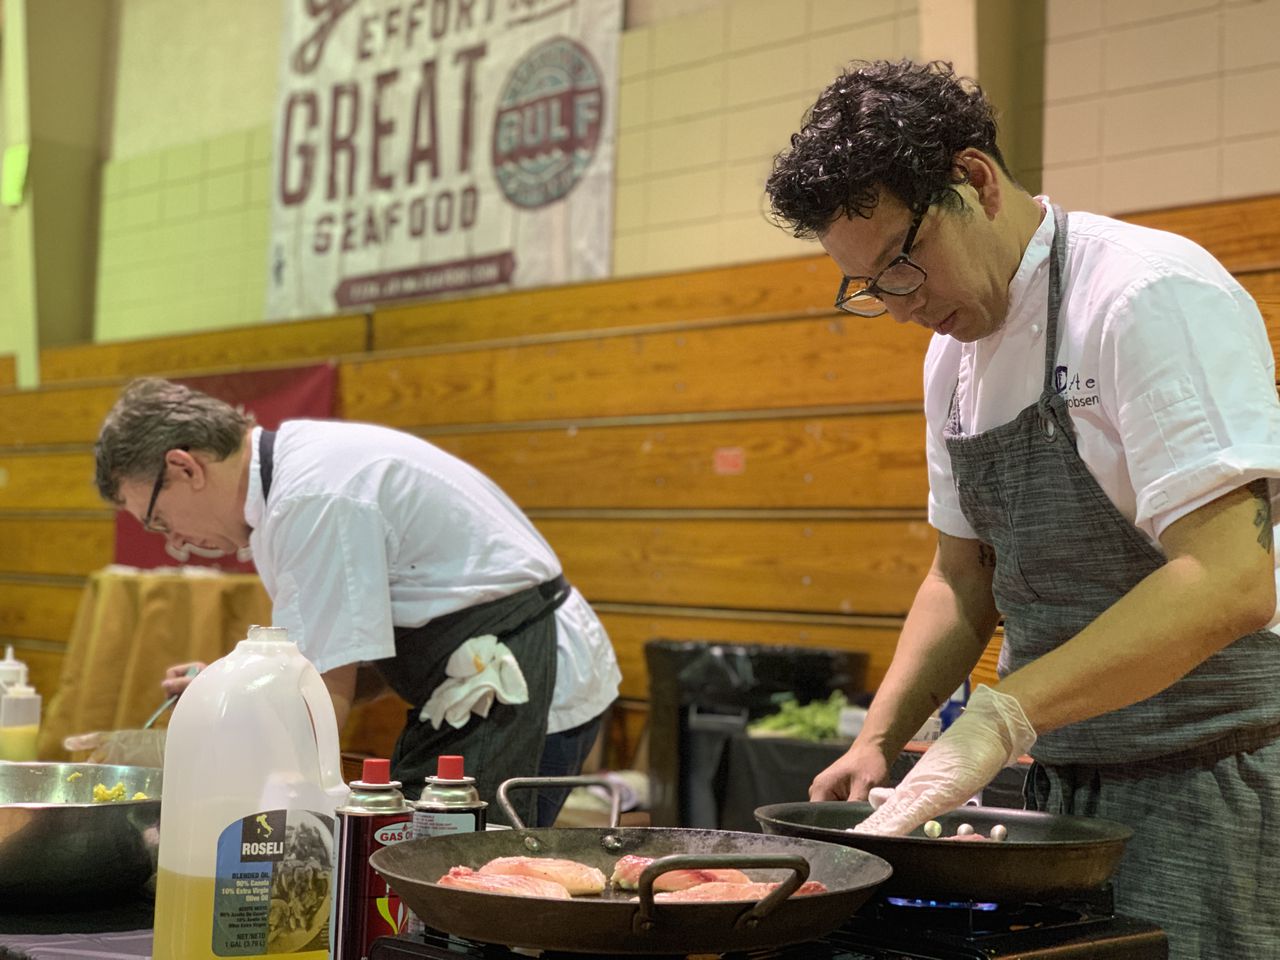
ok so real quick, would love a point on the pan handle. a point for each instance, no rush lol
(521, 783)
(750, 918)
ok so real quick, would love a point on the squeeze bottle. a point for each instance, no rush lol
(252, 778)
(19, 722)
(12, 670)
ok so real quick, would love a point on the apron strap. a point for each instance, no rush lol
(1057, 267)
(266, 460)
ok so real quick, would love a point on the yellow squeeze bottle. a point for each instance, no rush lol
(252, 779)
(19, 722)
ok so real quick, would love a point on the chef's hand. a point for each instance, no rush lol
(992, 733)
(852, 776)
(178, 677)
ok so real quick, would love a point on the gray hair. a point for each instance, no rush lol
(154, 416)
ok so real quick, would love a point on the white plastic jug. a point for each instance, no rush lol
(252, 777)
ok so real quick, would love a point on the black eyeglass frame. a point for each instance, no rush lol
(872, 286)
(155, 492)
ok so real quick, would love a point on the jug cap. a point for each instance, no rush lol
(260, 634)
(450, 767)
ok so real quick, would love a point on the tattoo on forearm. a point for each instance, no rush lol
(986, 555)
(1262, 519)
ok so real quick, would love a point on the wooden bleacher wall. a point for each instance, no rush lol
(714, 455)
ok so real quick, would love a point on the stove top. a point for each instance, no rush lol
(898, 931)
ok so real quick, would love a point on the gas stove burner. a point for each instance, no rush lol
(941, 904)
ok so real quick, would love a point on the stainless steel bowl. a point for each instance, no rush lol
(55, 841)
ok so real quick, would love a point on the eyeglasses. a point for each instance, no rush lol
(149, 525)
(864, 296)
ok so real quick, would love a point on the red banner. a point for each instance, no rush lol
(271, 396)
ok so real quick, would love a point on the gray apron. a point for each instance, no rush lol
(509, 741)
(1195, 769)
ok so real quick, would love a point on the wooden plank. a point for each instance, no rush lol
(765, 366)
(1243, 234)
(817, 566)
(48, 481)
(872, 460)
(259, 345)
(802, 285)
(8, 371)
(1264, 287)
(38, 611)
(372, 728)
(56, 546)
(54, 414)
(625, 742)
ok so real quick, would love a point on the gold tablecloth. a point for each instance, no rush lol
(133, 624)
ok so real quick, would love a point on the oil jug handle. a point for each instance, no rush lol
(325, 725)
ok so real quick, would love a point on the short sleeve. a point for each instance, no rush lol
(941, 370)
(1195, 394)
(332, 595)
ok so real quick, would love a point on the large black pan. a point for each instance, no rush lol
(1045, 856)
(621, 922)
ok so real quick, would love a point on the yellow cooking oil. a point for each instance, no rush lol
(19, 743)
(184, 928)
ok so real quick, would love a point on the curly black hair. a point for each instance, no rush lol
(880, 126)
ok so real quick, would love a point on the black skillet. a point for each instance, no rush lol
(622, 921)
(1045, 856)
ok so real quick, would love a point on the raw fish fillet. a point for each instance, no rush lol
(734, 891)
(464, 878)
(626, 874)
(575, 877)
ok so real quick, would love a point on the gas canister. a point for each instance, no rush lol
(375, 816)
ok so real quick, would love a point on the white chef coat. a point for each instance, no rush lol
(1163, 361)
(369, 528)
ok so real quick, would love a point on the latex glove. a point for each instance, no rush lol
(992, 733)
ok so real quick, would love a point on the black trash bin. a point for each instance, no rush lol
(702, 694)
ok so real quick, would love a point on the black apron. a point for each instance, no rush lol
(509, 741)
(1195, 769)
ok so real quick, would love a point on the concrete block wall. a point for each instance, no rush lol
(707, 99)
(184, 237)
(1157, 103)
(1148, 104)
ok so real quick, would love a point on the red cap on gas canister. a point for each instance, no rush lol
(375, 770)
(449, 767)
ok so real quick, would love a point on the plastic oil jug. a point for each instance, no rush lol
(19, 722)
(252, 779)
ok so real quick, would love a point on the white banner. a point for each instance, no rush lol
(425, 147)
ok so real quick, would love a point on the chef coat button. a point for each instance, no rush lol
(1035, 329)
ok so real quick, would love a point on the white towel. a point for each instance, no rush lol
(480, 671)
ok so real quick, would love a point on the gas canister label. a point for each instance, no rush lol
(274, 884)
(435, 823)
